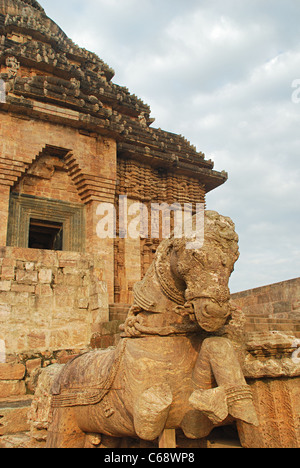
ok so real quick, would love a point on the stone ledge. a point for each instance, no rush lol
(14, 415)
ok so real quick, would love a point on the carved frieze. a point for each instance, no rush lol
(142, 182)
(13, 66)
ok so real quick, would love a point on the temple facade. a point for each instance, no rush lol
(72, 140)
(84, 180)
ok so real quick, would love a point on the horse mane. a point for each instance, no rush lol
(217, 228)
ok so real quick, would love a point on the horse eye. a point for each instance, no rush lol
(224, 260)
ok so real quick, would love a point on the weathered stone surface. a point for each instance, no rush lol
(10, 388)
(70, 135)
(32, 365)
(70, 139)
(14, 419)
(12, 371)
(277, 403)
(164, 354)
(272, 307)
(45, 276)
(181, 361)
(32, 313)
(40, 414)
(21, 441)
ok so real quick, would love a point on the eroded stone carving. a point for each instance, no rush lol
(180, 360)
(169, 370)
(12, 67)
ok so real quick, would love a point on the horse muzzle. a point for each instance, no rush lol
(210, 315)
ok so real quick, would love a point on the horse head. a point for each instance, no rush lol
(200, 276)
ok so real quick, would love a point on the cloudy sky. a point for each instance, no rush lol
(220, 72)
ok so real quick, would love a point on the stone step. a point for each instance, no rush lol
(13, 415)
(276, 325)
(258, 322)
(286, 327)
(260, 319)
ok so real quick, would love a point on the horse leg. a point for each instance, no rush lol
(195, 424)
(198, 422)
(151, 411)
(233, 395)
(64, 431)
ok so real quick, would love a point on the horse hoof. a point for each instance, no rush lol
(212, 403)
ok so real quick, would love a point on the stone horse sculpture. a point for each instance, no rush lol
(174, 367)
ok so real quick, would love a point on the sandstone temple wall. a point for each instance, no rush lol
(50, 300)
(46, 160)
(272, 307)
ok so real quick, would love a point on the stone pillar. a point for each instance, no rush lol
(4, 209)
(98, 188)
(101, 248)
(132, 254)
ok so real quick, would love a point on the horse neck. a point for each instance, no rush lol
(167, 281)
(159, 305)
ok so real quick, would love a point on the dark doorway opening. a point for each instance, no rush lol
(46, 235)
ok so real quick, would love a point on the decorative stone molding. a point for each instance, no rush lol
(24, 207)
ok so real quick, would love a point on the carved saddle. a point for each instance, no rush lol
(88, 378)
